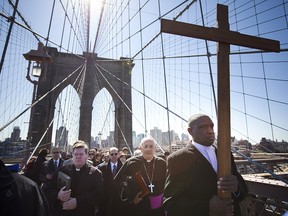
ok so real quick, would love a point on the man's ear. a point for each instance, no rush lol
(190, 130)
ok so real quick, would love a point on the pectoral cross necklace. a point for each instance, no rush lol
(151, 186)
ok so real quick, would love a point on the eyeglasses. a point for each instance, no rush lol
(114, 154)
(55, 152)
(91, 154)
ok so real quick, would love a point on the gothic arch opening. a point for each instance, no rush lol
(103, 120)
(66, 118)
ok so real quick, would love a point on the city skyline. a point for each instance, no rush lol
(186, 134)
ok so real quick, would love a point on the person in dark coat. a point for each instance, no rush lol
(34, 171)
(191, 183)
(109, 170)
(46, 174)
(92, 156)
(86, 189)
(20, 195)
(141, 183)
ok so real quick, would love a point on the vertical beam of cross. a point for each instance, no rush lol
(223, 115)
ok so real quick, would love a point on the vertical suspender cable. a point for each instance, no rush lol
(143, 77)
(165, 82)
(50, 23)
(242, 82)
(209, 62)
(88, 26)
(265, 80)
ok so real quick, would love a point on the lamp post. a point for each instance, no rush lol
(35, 57)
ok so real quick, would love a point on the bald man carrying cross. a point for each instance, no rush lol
(224, 37)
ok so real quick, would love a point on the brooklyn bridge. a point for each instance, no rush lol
(112, 72)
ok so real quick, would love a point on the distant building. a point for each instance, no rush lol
(243, 144)
(134, 138)
(12, 149)
(280, 146)
(139, 137)
(157, 135)
(165, 138)
(110, 139)
(184, 137)
(178, 145)
(15, 135)
(61, 139)
(93, 142)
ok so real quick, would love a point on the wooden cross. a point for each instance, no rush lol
(224, 37)
(151, 186)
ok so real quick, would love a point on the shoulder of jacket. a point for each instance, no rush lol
(161, 160)
(66, 169)
(187, 155)
(94, 169)
(184, 152)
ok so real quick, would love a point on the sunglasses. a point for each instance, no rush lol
(55, 152)
(91, 154)
(114, 154)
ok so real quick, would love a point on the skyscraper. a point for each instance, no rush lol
(157, 135)
(61, 139)
(15, 135)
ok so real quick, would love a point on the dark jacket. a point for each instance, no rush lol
(107, 183)
(191, 182)
(20, 195)
(86, 187)
(127, 194)
(34, 172)
(49, 168)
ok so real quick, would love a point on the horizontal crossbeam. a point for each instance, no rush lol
(218, 35)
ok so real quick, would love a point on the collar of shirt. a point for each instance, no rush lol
(111, 165)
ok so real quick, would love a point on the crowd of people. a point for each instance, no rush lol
(116, 183)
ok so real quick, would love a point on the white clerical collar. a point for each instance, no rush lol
(202, 147)
(78, 169)
(148, 160)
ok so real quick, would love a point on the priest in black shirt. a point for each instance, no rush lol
(141, 183)
(86, 190)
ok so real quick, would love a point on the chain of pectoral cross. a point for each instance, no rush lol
(151, 186)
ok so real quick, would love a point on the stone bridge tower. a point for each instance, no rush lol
(65, 69)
